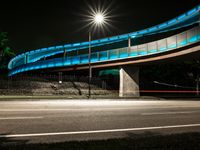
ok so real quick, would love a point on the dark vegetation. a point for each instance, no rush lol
(6, 53)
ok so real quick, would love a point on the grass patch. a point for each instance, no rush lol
(186, 141)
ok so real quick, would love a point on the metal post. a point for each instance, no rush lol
(129, 46)
(60, 77)
(157, 46)
(98, 56)
(197, 85)
(64, 55)
(26, 58)
(129, 42)
(78, 56)
(89, 63)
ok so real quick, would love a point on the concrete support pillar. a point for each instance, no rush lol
(129, 82)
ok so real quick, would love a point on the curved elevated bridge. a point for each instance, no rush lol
(60, 59)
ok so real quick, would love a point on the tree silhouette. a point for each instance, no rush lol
(6, 52)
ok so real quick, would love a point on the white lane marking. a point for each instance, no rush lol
(20, 118)
(98, 131)
(169, 113)
(67, 109)
(24, 110)
(88, 109)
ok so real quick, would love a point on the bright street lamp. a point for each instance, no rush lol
(99, 18)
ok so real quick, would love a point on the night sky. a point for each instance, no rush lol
(36, 24)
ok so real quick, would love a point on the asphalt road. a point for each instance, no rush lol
(60, 120)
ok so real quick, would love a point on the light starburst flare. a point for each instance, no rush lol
(99, 18)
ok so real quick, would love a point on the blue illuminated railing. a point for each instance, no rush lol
(32, 56)
(167, 44)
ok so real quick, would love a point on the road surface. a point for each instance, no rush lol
(66, 120)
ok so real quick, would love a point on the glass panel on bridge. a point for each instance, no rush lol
(133, 51)
(142, 49)
(84, 59)
(152, 47)
(75, 60)
(172, 42)
(162, 45)
(113, 54)
(182, 39)
(67, 61)
(103, 55)
(192, 35)
(123, 52)
(94, 57)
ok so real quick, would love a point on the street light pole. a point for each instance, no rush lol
(90, 69)
(98, 19)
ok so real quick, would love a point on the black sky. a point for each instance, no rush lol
(36, 24)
